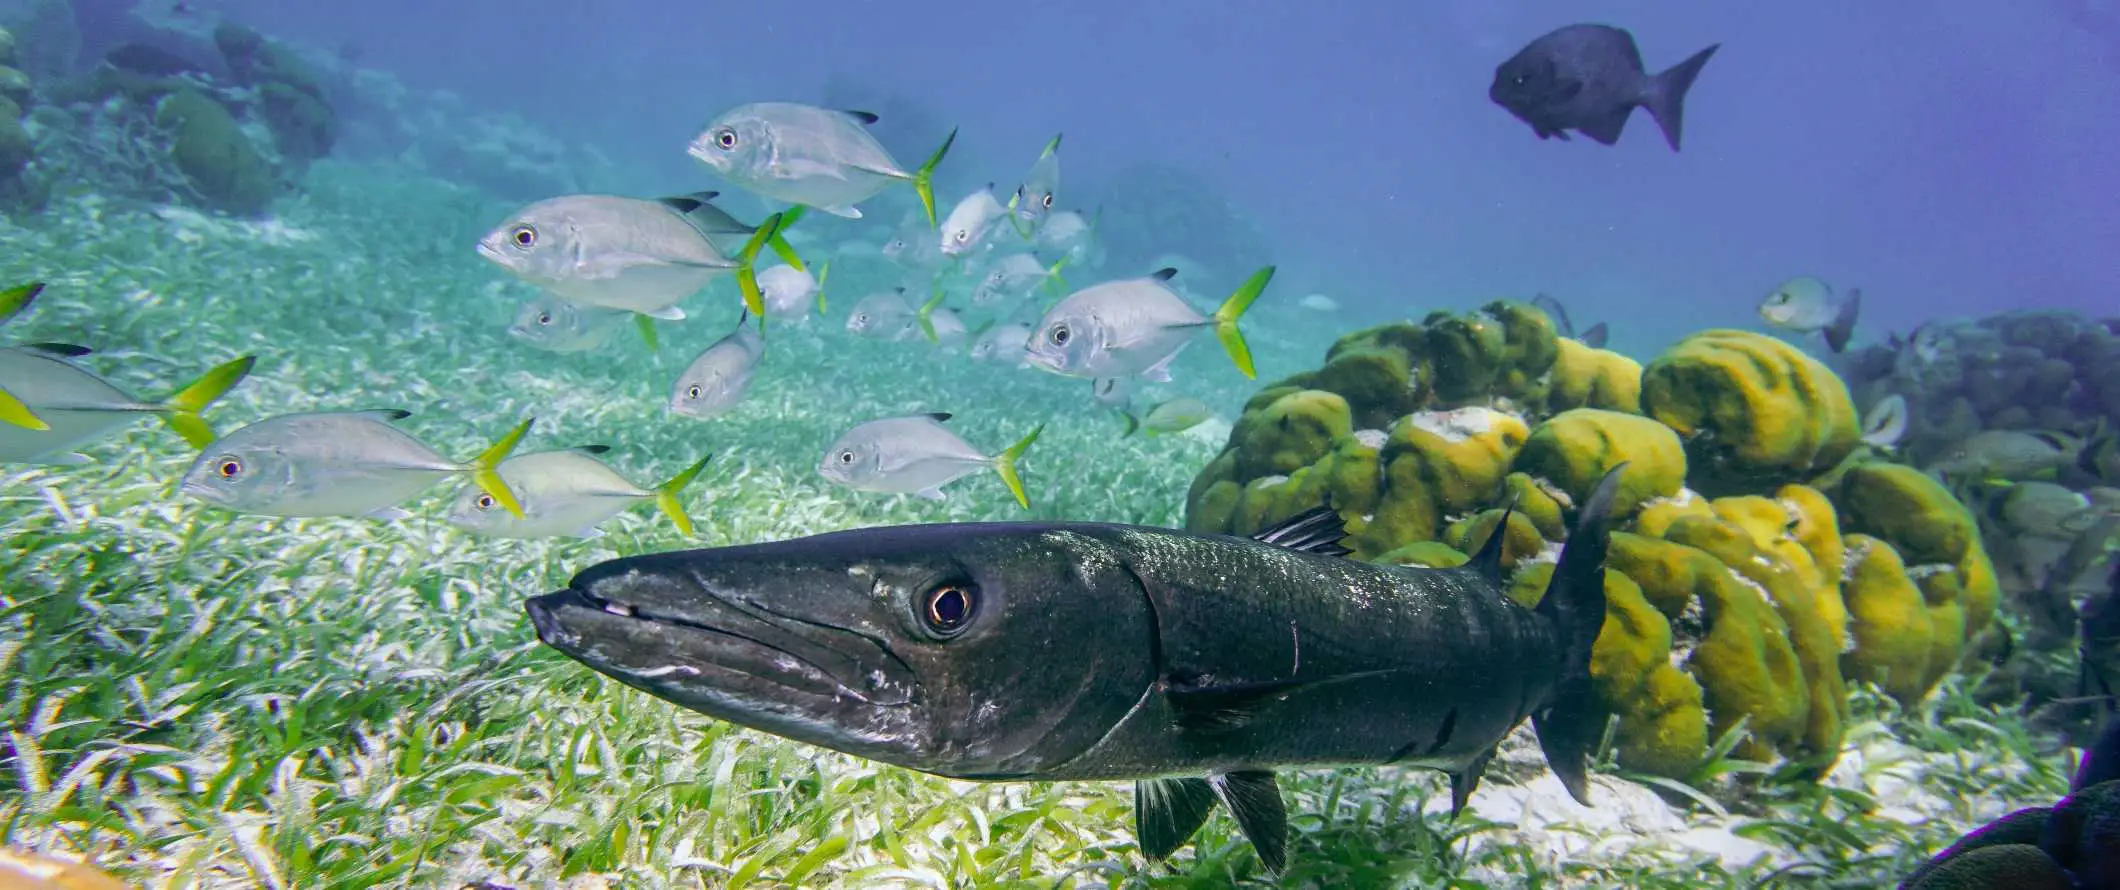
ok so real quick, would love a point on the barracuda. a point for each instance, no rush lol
(1195, 665)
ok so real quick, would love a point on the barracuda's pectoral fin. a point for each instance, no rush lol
(1167, 812)
(1465, 781)
(1227, 707)
(1316, 530)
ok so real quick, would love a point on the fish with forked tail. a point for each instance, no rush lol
(1589, 78)
(1041, 651)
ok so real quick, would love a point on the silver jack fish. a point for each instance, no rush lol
(335, 463)
(1135, 327)
(567, 492)
(717, 380)
(1033, 200)
(1196, 665)
(815, 157)
(555, 325)
(915, 455)
(68, 406)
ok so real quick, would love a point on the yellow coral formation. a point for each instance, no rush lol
(1750, 603)
(1754, 410)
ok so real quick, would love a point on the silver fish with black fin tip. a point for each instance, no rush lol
(971, 225)
(54, 405)
(568, 492)
(335, 463)
(1196, 665)
(1589, 78)
(915, 455)
(1137, 327)
(619, 253)
(816, 157)
(884, 315)
(717, 379)
(1807, 305)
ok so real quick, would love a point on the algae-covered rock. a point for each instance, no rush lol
(1934, 534)
(214, 155)
(1754, 411)
(15, 85)
(16, 147)
(1765, 562)
(1585, 377)
(1576, 448)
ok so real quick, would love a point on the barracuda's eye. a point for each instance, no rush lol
(947, 609)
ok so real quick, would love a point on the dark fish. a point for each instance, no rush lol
(1594, 338)
(1197, 665)
(1589, 78)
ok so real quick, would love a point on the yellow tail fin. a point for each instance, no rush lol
(780, 245)
(647, 331)
(667, 501)
(485, 468)
(924, 178)
(1006, 466)
(746, 276)
(14, 411)
(15, 299)
(182, 411)
(1225, 320)
(822, 274)
(927, 315)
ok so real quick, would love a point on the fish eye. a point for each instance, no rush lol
(524, 236)
(726, 138)
(949, 609)
(544, 318)
(1059, 335)
(1047, 200)
(846, 457)
(1520, 80)
(962, 235)
(862, 317)
(693, 391)
(483, 502)
(229, 468)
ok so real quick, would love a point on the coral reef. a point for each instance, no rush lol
(1766, 561)
(215, 155)
(2016, 412)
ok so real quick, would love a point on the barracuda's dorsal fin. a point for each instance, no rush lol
(1316, 530)
(1488, 562)
(1167, 812)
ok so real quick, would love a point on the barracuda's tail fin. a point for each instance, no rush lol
(1569, 723)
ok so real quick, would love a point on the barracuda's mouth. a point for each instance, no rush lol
(721, 656)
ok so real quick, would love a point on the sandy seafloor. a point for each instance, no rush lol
(196, 698)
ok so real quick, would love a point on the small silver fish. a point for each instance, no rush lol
(1033, 200)
(1003, 343)
(914, 247)
(789, 292)
(1806, 305)
(816, 157)
(1886, 423)
(1135, 327)
(67, 406)
(717, 379)
(2044, 510)
(616, 252)
(2005, 454)
(1171, 416)
(335, 463)
(915, 455)
(1014, 276)
(566, 494)
(883, 315)
(555, 325)
(970, 224)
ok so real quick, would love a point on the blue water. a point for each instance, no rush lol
(1947, 157)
